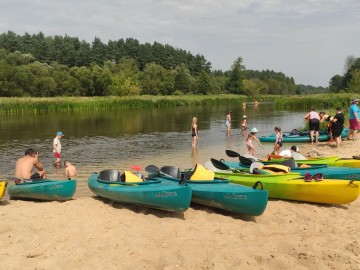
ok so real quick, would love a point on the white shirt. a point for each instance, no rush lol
(57, 145)
(286, 153)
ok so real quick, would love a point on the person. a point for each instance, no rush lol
(57, 147)
(338, 125)
(70, 170)
(325, 117)
(289, 152)
(314, 125)
(249, 141)
(194, 132)
(25, 165)
(244, 126)
(354, 122)
(279, 140)
(228, 123)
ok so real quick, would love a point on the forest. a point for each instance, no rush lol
(47, 66)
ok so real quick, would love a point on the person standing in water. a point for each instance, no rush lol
(249, 141)
(228, 123)
(57, 148)
(243, 126)
(194, 132)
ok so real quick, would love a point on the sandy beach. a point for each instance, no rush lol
(92, 233)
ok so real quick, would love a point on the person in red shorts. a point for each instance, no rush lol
(57, 148)
(354, 119)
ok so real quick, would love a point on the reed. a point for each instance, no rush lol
(37, 105)
(318, 102)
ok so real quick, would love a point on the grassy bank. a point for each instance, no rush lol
(16, 105)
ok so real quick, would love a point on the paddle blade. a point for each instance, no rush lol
(231, 153)
(152, 169)
(219, 165)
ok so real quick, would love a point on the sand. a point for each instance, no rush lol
(92, 233)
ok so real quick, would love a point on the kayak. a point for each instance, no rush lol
(152, 194)
(2, 189)
(300, 136)
(328, 172)
(48, 190)
(325, 191)
(222, 194)
(315, 160)
(327, 160)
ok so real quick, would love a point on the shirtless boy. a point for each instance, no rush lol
(24, 166)
(70, 170)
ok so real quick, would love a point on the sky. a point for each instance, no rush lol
(308, 40)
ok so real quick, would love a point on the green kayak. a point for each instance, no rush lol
(152, 194)
(300, 136)
(48, 190)
(218, 193)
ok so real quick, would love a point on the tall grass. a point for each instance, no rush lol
(37, 105)
(318, 101)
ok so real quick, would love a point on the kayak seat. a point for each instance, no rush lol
(202, 174)
(172, 171)
(129, 177)
(110, 175)
(290, 163)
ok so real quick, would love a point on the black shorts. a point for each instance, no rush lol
(35, 177)
(314, 124)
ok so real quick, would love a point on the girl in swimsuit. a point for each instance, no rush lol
(243, 126)
(228, 123)
(194, 132)
(279, 140)
(249, 142)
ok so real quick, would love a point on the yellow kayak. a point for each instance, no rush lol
(2, 189)
(325, 191)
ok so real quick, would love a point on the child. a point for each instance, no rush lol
(243, 126)
(278, 141)
(70, 170)
(249, 141)
(194, 132)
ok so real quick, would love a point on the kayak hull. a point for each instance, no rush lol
(325, 192)
(48, 190)
(224, 195)
(152, 194)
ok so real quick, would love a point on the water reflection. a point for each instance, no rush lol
(194, 157)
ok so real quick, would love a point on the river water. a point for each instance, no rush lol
(95, 141)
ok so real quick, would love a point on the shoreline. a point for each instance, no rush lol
(89, 232)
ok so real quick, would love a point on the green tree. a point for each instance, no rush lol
(157, 80)
(203, 83)
(184, 82)
(235, 82)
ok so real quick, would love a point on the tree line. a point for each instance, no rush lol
(349, 82)
(46, 66)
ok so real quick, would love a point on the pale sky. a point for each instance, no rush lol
(308, 40)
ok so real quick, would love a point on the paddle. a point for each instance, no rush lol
(231, 153)
(221, 166)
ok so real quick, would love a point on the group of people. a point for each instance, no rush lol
(24, 165)
(335, 123)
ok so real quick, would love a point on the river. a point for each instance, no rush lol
(100, 140)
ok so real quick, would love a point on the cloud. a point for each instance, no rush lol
(275, 34)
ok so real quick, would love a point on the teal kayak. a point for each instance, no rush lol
(222, 194)
(152, 194)
(300, 137)
(48, 190)
(329, 172)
